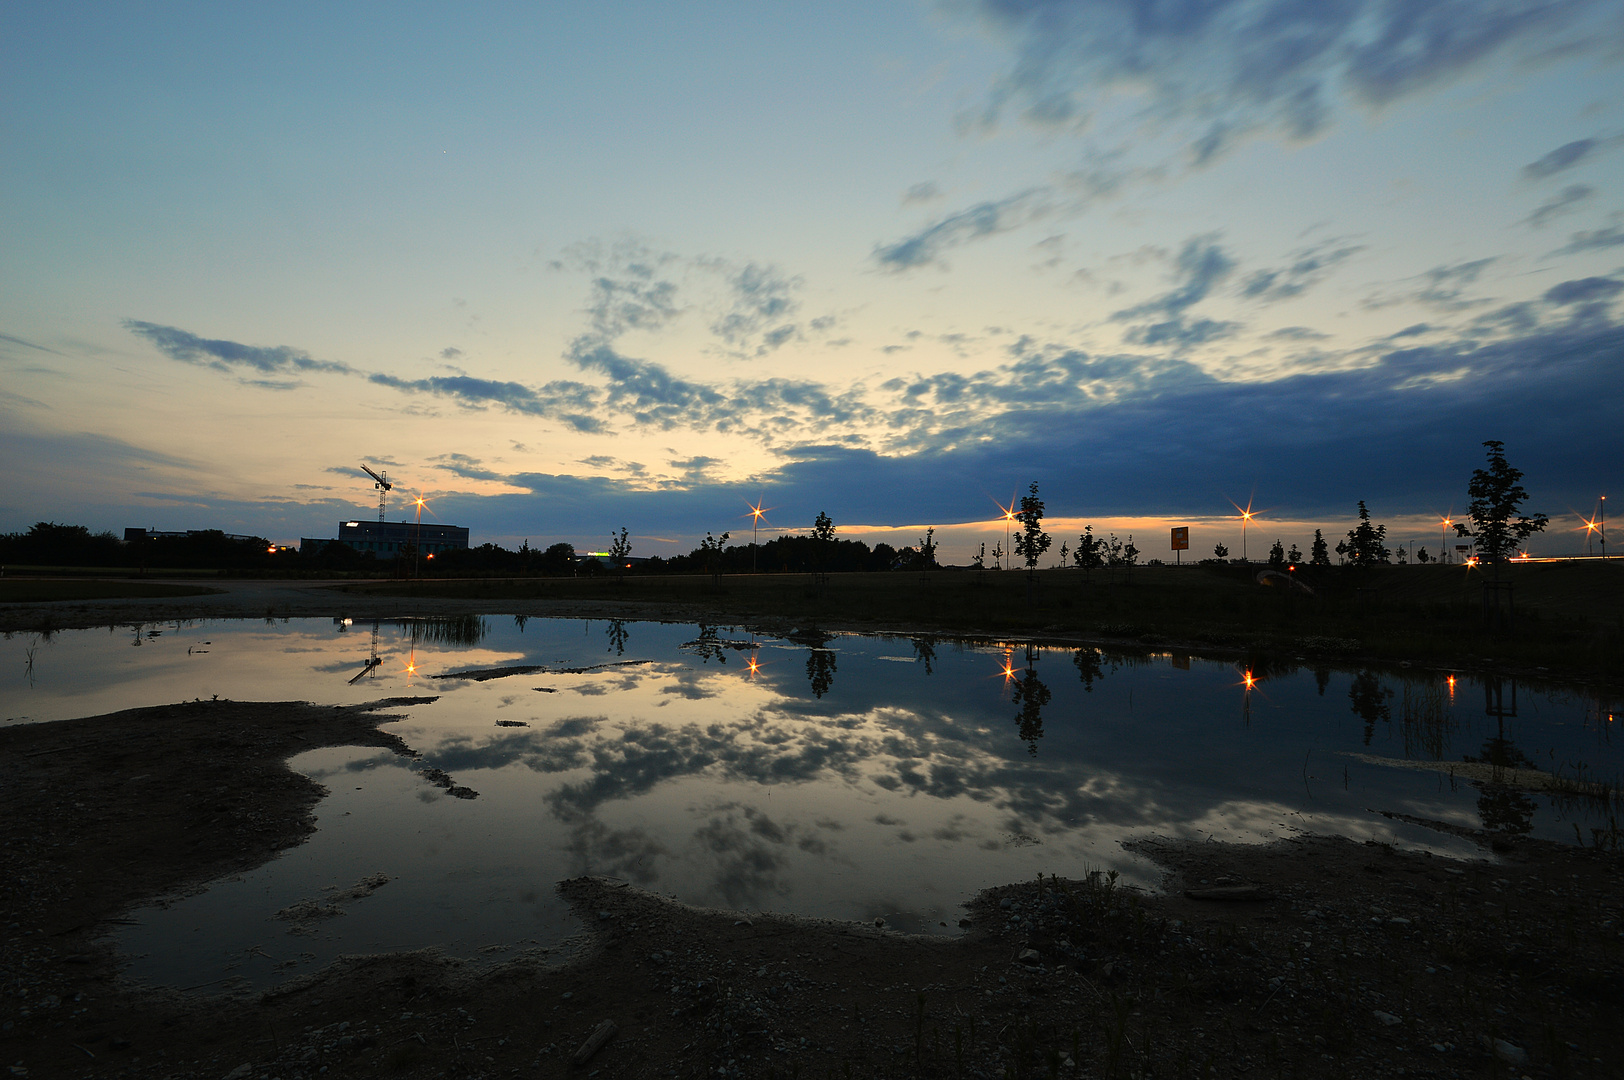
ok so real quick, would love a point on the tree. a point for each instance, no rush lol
(981, 557)
(1088, 555)
(1277, 555)
(1497, 494)
(620, 547)
(823, 528)
(1421, 556)
(927, 549)
(1032, 541)
(1365, 541)
(1130, 553)
(1220, 551)
(1318, 553)
(1063, 554)
(711, 551)
(1295, 555)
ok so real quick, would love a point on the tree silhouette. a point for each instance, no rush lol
(1031, 542)
(1497, 494)
(1366, 545)
(1318, 553)
(1029, 693)
(1089, 553)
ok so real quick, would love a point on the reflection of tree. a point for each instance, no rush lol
(925, 652)
(1029, 693)
(1088, 663)
(519, 621)
(820, 670)
(1369, 700)
(1322, 679)
(617, 635)
(1503, 809)
(707, 646)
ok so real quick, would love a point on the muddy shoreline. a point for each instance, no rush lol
(1322, 956)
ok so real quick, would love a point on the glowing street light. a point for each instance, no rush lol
(1246, 516)
(1602, 528)
(1443, 545)
(417, 538)
(1009, 518)
(756, 514)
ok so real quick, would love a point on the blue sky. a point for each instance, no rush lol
(562, 268)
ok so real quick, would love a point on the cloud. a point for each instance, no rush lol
(1222, 68)
(927, 246)
(1566, 156)
(762, 302)
(1593, 240)
(1201, 264)
(924, 192)
(1307, 268)
(1442, 287)
(1584, 291)
(1561, 203)
(224, 355)
(29, 345)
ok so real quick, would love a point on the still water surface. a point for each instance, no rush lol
(848, 777)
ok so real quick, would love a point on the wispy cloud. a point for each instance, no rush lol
(1563, 202)
(1222, 68)
(1568, 155)
(1592, 240)
(1306, 269)
(927, 246)
(225, 355)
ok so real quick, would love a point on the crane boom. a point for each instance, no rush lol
(384, 487)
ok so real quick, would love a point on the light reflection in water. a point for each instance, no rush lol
(897, 789)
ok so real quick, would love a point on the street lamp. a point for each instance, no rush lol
(1604, 526)
(1009, 516)
(756, 513)
(1443, 545)
(1246, 516)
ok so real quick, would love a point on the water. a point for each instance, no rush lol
(847, 777)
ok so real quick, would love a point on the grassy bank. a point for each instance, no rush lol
(45, 590)
(1569, 617)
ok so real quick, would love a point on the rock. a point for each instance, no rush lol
(879, 921)
(1507, 1052)
(594, 1042)
(1030, 957)
(1229, 892)
(1385, 1019)
(241, 1072)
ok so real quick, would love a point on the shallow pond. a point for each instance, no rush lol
(848, 777)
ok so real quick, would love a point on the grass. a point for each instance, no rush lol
(36, 590)
(1569, 616)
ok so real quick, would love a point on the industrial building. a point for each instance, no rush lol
(385, 538)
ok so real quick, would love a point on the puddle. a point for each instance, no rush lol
(839, 776)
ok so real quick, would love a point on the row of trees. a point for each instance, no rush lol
(1494, 521)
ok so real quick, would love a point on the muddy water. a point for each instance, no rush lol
(847, 777)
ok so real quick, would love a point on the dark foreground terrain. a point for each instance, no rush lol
(1311, 957)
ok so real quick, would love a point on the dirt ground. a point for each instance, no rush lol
(1309, 957)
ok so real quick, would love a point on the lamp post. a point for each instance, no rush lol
(1443, 545)
(755, 520)
(1246, 517)
(1604, 526)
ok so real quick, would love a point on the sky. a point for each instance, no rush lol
(562, 269)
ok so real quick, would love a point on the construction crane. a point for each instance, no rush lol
(384, 487)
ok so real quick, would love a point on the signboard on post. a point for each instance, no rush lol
(1181, 541)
